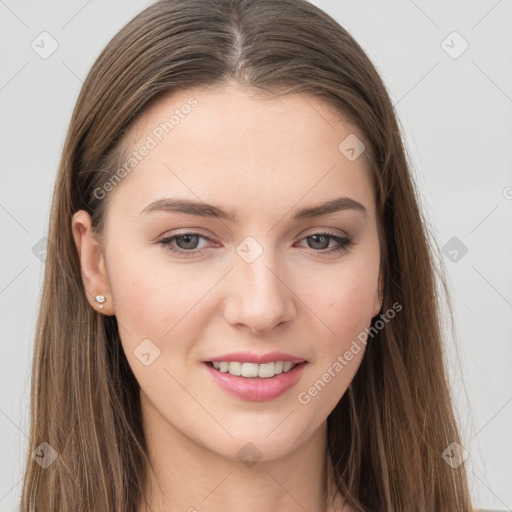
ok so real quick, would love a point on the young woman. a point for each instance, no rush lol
(240, 303)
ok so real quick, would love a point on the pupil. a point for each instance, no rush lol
(315, 240)
(179, 241)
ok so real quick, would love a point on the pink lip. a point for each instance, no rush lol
(256, 389)
(247, 357)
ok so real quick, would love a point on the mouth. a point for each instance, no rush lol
(255, 382)
(253, 370)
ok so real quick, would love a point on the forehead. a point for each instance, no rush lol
(238, 117)
(235, 144)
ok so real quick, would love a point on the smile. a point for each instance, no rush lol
(250, 385)
(253, 370)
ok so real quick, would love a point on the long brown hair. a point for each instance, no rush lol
(387, 434)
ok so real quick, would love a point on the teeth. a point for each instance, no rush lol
(252, 370)
(266, 370)
(235, 368)
(249, 369)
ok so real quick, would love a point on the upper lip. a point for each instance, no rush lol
(249, 357)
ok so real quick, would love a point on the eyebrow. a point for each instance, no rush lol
(200, 209)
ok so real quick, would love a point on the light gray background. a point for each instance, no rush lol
(456, 120)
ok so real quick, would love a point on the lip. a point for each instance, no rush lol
(248, 357)
(257, 389)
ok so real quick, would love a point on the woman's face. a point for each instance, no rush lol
(251, 260)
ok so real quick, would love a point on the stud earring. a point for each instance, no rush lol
(100, 299)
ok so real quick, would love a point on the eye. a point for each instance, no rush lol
(187, 243)
(319, 241)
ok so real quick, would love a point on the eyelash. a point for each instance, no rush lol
(345, 244)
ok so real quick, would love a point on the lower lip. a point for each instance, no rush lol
(257, 389)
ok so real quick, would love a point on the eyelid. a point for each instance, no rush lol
(333, 231)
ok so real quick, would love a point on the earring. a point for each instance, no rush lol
(100, 299)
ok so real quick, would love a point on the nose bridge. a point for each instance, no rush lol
(259, 296)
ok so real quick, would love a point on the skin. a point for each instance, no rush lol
(266, 157)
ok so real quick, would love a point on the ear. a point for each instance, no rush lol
(379, 294)
(92, 262)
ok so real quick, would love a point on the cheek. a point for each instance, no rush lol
(345, 306)
(345, 309)
(151, 308)
(150, 296)
(160, 312)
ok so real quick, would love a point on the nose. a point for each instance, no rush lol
(259, 296)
